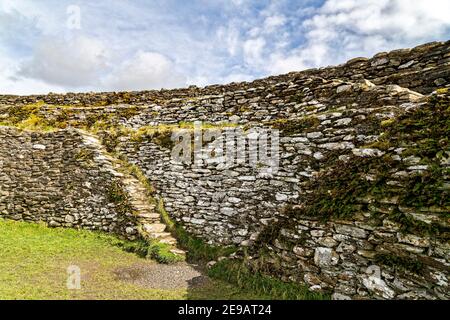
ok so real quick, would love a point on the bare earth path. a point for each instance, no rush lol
(178, 276)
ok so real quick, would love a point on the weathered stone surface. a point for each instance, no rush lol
(378, 287)
(325, 257)
(351, 231)
(413, 240)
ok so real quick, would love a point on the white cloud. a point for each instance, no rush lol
(77, 62)
(343, 29)
(145, 70)
(86, 63)
(140, 45)
(274, 22)
(230, 37)
(237, 77)
(253, 51)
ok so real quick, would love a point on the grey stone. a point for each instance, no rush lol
(325, 257)
(351, 231)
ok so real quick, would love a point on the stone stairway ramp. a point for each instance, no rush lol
(149, 220)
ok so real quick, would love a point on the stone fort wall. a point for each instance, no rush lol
(325, 117)
(58, 178)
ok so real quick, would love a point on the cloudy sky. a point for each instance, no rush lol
(72, 46)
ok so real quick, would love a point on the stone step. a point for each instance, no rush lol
(148, 218)
(148, 215)
(148, 221)
(161, 235)
(178, 252)
(142, 206)
(168, 240)
(154, 228)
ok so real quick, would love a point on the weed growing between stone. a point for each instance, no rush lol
(423, 133)
(238, 273)
(197, 249)
(155, 250)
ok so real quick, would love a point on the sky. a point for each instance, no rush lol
(74, 46)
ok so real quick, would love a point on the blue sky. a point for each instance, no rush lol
(71, 46)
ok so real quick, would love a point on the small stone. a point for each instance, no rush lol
(367, 152)
(130, 230)
(314, 135)
(343, 122)
(376, 285)
(281, 197)
(312, 279)
(235, 119)
(317, 233)
(198, 221)
(351, 231)
(189, 199)
(407, 65)
(418, 168)
(327, 242)
(303, 252)
(344, 88)
(39, 147)
(318, 156)
(379, 62)
(340, 296)
(247, 178)
(413, 240)
(440, 82)
(69, 219)
(345, 248)
(234, 200)
(325, 257)
(337, 145)
(367, 254)
(53, 224)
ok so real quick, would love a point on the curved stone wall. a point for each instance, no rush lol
(59, 179)
(385, 114)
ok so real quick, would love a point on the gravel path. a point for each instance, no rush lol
(161, 276)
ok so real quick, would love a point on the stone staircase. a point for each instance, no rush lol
(149, 220)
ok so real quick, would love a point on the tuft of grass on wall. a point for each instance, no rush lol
(400, 263)
(162, 253)
(158, 251)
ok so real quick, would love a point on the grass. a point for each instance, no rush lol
(236, 272)
(34, 261)
(161, 253)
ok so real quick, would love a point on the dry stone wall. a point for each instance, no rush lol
(324, 116)
(230, 204)
(422, 69)
(366, 257)
(59, 179)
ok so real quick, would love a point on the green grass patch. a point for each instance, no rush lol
(158, 251)
(34, 261)
(161, 252)
(239, 274)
